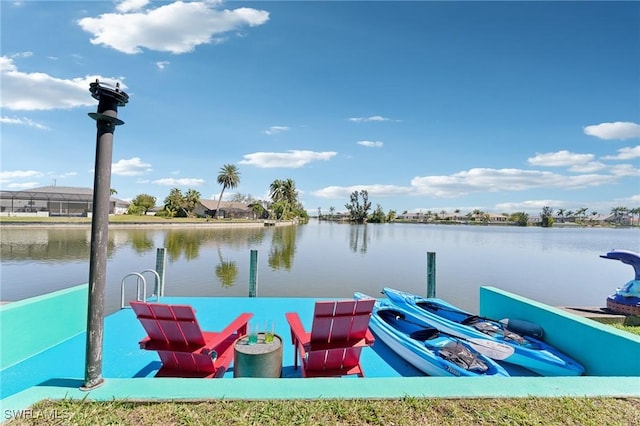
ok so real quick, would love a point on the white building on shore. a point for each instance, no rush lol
(54, 201)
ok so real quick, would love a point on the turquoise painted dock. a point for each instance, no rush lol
(43, 354)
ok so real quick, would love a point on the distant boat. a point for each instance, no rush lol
(529, 352)
(626, 299)
(434, 353)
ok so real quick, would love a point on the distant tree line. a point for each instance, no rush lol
(548, 216)
(283, 205)
(359, 208)
(359, 211)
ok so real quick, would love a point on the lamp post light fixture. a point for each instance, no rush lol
(109, 99)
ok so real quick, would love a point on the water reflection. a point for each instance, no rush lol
(48, 245)
(283, 247)
(187, 242)
(358, 238)
(226, 271)
(557, 266)
(141, 241)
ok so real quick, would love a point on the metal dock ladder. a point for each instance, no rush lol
(141, 287)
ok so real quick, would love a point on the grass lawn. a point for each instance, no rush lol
(407, 411)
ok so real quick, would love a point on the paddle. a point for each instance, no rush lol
(526, 328)
(494, 350)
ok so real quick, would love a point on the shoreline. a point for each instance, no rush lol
(145, 224)
(236, 224)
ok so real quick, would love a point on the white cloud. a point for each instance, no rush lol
(292, 159)
(19, 174)
(590, 167)
(131, 5)
(23, 121)
(64, 175)
(560, 159)
(40, 91)
(625, 170)
(617, 130)
(162, 64)
(625, 154)
(8, 178)
(371, 144)
(22, 185)
(22, 55)
(227, 196)
(131, 167)
(476, 180)
(528, 205)
(179, 182)
(496, 180)
(276, 129)
(176, 27)
(372, 190)
(368, 119)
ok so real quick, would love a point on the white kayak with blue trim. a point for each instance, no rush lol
(434, 353)
(528, 352)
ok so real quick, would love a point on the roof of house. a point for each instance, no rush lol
(67, 193)
(228, 205)
(62, 190)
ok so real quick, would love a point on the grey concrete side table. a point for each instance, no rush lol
(257, 360)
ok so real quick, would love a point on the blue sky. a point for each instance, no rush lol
(497, 106)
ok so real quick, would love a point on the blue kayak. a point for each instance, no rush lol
(528, 352)
(416, 341)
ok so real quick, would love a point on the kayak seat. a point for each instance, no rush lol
(425, 334)
(460, 355)
(470, 320)
(486, 328)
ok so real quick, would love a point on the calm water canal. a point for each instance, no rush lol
(558, 266)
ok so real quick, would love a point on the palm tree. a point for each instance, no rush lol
(191, 200)
(290, 193)
(581, 213)
(276, 190)
(546, 217)
(635, 211)
(619, 213)
(229, 177)
(285, 193)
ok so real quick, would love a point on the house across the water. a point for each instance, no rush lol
(54, 201)
(228, 209)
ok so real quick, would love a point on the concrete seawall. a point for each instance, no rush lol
(118, 225)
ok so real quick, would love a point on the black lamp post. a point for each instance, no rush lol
(109, 99)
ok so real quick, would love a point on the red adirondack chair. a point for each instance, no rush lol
(339, 331)
(184, 349)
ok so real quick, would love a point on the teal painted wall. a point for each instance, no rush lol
(615, 352)
(30, 326)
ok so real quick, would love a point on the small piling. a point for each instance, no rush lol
(431, 274)
(253, 274)
(161, 259)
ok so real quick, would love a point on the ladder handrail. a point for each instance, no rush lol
(158, 288)
(139, 281)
